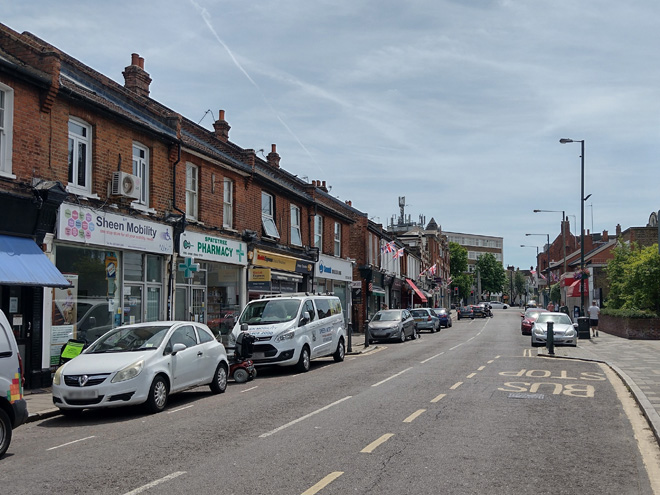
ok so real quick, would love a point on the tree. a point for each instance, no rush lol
(633, 274)
(519, 283)
(555, 292)
(458, 259)
(491, 273)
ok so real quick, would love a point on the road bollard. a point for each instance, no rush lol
(366, 335)
(550, 341)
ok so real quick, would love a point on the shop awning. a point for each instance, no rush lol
(23, 263)
(419, 293)
(378, 291)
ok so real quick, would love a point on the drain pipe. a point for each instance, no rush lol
(177, 234)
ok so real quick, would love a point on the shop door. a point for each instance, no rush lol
(198, 306)
(133, 307)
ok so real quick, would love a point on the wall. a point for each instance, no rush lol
(630, 328)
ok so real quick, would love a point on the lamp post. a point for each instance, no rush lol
(547, 282)
(537, 260)
(563, 232)
(582, 200)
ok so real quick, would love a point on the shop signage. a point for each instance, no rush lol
(334, 268)
(87, 226)
(259, 275)
(280, 262)
(212, 248)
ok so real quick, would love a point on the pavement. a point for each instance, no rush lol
(637, 362)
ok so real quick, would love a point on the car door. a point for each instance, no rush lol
(185, 363)
(408, 322)
(322, 329)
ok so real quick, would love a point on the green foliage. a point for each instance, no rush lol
(519, 282)
(555, 292)
(628, 313)
(492, 273)
(634, 276)
(464, 283)
(458, 259)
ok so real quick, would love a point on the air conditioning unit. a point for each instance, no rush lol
(126, 185)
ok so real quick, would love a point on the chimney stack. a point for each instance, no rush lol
(136, 78)
(618, 230)
(606, 236)
(222, 128)
(273, 158)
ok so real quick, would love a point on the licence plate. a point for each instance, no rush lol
(82, 394)
(258, 355)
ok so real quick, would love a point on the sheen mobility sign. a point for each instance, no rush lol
(206, 247)
(88, 226)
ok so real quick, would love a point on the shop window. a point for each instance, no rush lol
(80, 156)
(6, 128)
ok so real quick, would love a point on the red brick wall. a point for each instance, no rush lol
(630, 328)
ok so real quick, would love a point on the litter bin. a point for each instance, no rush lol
(583, 328)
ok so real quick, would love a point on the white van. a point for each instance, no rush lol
(13, 408)
(293, 329)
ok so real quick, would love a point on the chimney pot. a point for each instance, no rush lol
(221, 127)
(222, 115)
(141, 62)
(273, 148)
(134, 59)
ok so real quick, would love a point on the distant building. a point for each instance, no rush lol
(477, 246)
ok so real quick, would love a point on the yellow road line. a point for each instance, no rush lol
(455, 385)
(372, 446)
(412, 417)
(481, 368)
(438, 398)
(323, 483)
(472, 375)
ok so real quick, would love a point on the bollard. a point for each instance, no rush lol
(350, 338)
(550, 340)
(366, 334)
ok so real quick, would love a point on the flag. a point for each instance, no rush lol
(449, 280)
(543, 276)
(388, 247)
(432, 270)
(398, 253)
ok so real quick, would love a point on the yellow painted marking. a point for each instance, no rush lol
(438, 398)
(497, 357)
(414, 415)
(472, 375)
(490, 362)
(455, 385)
(372, 446)
(323, 483)
(481, 368)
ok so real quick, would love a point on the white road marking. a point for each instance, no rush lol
(154, 483)
(456, 346)
(180, 409)
(302, 418)
(393, 376)
(69, 443)
(248, 389)
(432, 357)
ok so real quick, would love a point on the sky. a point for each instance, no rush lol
(456, 105)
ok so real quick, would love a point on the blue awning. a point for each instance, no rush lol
(23, 263)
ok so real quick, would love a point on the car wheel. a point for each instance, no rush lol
(157, 399)
(535, 344)
(5, 432)
(304, 361)
(339, 354)
(219, 383)
(414, 335)
(241, 375)
(402, 335)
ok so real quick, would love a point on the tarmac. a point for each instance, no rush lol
(636, 362)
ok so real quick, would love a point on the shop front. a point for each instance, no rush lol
(117, 270)
(416, 297)
(273, 273)
(395, 293)
(335, 275)
(215, 292)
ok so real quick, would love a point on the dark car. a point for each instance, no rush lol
(392, 324)
(465, 312)
(479, 311)
(444, 316)
(528, 319)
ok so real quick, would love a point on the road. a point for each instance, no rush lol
(469, 410)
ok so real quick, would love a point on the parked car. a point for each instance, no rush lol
(444, 316)
(531, 304)
(141, 364)
(498, 305)
(392, 324)
(426, 319)
(564, 330)
(528, 319)
(465, 312)
(13, 408)
(478, 311)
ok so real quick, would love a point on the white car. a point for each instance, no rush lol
(498, 305)
(563, 329)
(13, 408)
(141, 363)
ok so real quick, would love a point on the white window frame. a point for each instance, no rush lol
(268, 215)
(296, 233)
(6, 130)
(73, 161)
(141, 170)
(192, 191)
(318, 232)
(227, 203)
(338, 239)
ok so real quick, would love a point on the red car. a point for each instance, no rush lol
(528, 319)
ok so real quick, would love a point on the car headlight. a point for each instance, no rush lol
(569, 332)
(129, 372)
(285, 336)
(539, 331)
(57, 379)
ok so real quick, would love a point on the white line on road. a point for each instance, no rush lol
(432, 357)
(69, 443)
(393, 376)
(154, 483)
(306, 416)
(248, 389)
(180, 409)
(456, 346)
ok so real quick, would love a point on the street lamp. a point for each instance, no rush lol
(582, 200)
(563, 233)
(547, 282)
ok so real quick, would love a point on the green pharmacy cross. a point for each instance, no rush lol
(188, 267)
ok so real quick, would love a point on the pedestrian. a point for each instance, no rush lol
(551, 306)
(594, 311)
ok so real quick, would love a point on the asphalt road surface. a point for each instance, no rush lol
(469, 410)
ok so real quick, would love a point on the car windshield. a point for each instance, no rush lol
(268, 311)
(130, 339)
(389, 315)
(555, 318)
(441, 311)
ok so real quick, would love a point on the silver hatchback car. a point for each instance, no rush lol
(392, 324)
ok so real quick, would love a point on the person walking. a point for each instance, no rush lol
(594, 311)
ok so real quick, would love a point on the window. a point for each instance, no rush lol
(228, 203)
(184, 335)
(318, 232)
(296, 237)
(204, 336)
(337, 239)
(268, 216)
(80, 159)
(6, 128)
(309, 307)
(192, 179)
(141, 170)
